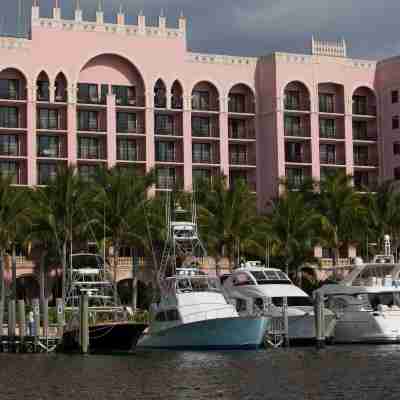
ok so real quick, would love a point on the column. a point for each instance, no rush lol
(31, 136)
(149, 130)
(72, 126)
(224, 137)
(187, 143)
(348, 135)
(111, 138)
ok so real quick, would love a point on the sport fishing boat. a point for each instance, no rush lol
(367, 301)
(192, 311)
(109, 328)
(257, 289)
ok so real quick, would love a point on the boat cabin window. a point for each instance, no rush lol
(292, 301)
(198, 284)
(172, 315)
(160, 317)
(242, 279)
(241, 305)
(268, 277)
(385, 299)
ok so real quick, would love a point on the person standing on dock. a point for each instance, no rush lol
(31, 323)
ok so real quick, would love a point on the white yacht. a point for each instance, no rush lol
(367, 301)
(267, 287)
(192, 311)
(194, 314)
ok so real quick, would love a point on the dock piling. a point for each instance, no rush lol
(84, 323)
(12, 326)
(45, 320)
(22, 324)
(319, 320)
(285, 322)
(36, 325)
(60, 316)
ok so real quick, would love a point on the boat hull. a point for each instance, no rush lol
(368, 327)
(302, 328)
(104, 338)
(210, 334)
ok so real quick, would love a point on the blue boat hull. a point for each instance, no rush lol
(211, 334)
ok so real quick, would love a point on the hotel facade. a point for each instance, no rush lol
(94, 93)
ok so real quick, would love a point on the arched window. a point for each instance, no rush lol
(177, 96)
(205, 97)
(160, 94)
(42, 87)
(61, 88)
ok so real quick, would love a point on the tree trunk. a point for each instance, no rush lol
(2, 292)
(42, 277)
(116, 257)
(64, 271)
(134, 283)
(14, 274)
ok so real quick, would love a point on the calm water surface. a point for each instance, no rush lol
(346, 372)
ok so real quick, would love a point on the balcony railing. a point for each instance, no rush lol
(131, 154)
(94, 153)
(205, 106)
(365, 161)
(160, 101)
(102, 100)
(240, 158)
(11, 95)
(138, 101)
(328, 134)
(241, 108)
(177, 102)
(242, 133)
(213, 132)
(205, 158)
(302, 105)
(331, 159)
(364, 135)
(361, 109)
(167, 156)
(123, 128)
(299, 132)
(298, 158)
(166, 182)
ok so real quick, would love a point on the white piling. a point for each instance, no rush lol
(319, 320)
(84, 323)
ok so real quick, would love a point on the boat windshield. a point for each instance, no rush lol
(268, 277)
(292, 301)
(198, 284)
(386, 299)
(86, 261)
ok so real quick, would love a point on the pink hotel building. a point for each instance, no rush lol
(134, 96)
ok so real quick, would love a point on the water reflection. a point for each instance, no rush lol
(346, 372)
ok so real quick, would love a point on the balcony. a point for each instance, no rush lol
(239, 158)
(13, 171)
(297, 132)
(47, 173)
(365, 135)
(241, 100)
(9, 117)
(10, 145)
(205, 97)
(12, 89)
(241, 129)
(365, 161)
(177, 102)
(364, 109)
(364, 102)
(137, 101)
(331, 158)
(91, 149)
(130, 153)
(296, 97)
(51, 147)
(160, 101)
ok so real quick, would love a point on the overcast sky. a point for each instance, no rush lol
(255, 27)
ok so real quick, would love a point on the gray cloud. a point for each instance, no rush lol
(256, 27)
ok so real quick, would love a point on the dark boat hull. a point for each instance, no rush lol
(105, 338)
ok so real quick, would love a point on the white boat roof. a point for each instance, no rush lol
(338, 289)
(277, 290)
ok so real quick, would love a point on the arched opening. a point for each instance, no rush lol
(12, 84)
(43, 87)
(110, 73)
(144, 293)
(364, 101)
(331, 98)
(297, 96)
(205, 97)
(160, 94)
(177, 96)
(61, 85)
(241, 99)
(27, 288)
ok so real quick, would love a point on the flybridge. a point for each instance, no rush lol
(78, 23)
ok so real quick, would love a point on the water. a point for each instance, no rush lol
(337, 372)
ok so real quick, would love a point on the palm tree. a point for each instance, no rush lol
(293, 228)
(228, 217)
(383, 213)
(342, 212)
(121, 200)
(61, 212)
(13, 217)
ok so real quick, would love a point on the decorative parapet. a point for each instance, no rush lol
(221, 59)
(13, 43)
(314, 59)
(78, 24)
(328, 48)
